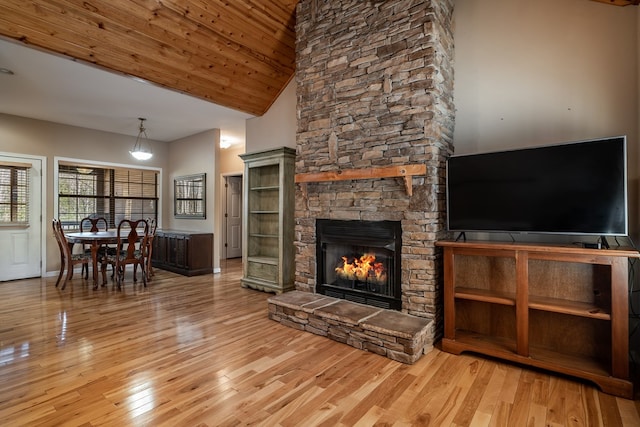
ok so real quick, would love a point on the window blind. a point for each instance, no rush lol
(14, 194)
(113, 193)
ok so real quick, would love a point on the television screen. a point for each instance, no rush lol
(571, 188)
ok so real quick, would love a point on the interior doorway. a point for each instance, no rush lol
(232, 228)
(21, 238)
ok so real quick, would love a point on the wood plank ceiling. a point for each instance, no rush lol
(236, 53)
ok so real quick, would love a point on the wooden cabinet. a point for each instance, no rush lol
(183, 252)
(563, 309)
(268, 203)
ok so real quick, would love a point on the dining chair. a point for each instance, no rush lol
(93, 224)
(67, 258)
(149, 246)
(130, 249)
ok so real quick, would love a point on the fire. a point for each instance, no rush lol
(364, 269)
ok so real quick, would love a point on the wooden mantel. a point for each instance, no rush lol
(407, 172)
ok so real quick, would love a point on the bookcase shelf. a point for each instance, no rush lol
(267, 246)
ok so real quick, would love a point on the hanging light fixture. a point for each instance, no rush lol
(142, 148)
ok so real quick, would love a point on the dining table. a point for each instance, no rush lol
(95, 239)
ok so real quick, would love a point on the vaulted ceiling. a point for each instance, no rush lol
(239, 54)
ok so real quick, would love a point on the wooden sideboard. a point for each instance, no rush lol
(183, 252)
(563, 309)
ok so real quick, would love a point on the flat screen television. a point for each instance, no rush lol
(576, 188)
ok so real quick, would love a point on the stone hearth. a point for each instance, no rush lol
(389, 333)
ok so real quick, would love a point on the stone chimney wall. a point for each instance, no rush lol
(375, 88)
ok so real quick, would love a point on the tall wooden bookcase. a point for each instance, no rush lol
(268, 223)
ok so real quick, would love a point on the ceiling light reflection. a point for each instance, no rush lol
(62, 318)
(13, 353)
(141, 399)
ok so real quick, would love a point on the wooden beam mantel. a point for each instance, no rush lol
(407, 172)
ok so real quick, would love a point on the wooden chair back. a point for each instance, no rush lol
(149, 247)
(131, 247)
(67, 258)
(137, 234)
(63, 244)
(94, 224)
(57, 227)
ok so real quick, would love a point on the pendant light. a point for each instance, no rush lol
(142, 148)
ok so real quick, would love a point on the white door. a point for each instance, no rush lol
(20, 245)
(233, 217)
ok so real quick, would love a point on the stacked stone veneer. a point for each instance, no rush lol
(395, 335)
(375, 89)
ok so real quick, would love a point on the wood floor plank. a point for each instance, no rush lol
(188, 351)
(539, 400)
(556, 409)
(488, 388)
(501, 415)
(628, 412)
(591, 404)
(422, 374)
(473, 399)
(574, 405)
(610, 414)
(519, 411)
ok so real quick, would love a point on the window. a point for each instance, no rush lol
(14, 195)
(114, 193)
(189, 196)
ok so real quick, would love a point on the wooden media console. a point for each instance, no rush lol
(560, 308)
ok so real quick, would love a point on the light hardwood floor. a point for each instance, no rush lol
(201, 352)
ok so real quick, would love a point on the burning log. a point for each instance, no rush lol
(363, 269)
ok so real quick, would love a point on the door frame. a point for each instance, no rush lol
(43, 204)
(223, 249)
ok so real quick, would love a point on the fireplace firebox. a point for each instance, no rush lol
(360, 261)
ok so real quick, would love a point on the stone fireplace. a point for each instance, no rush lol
(374, 92)
(375, 89)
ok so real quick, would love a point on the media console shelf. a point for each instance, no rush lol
(564, 309)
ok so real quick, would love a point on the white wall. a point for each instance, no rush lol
(277, 127)
(534, 73)
(188, 156)
(230, 161)
(193, 155)
(531, 73)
